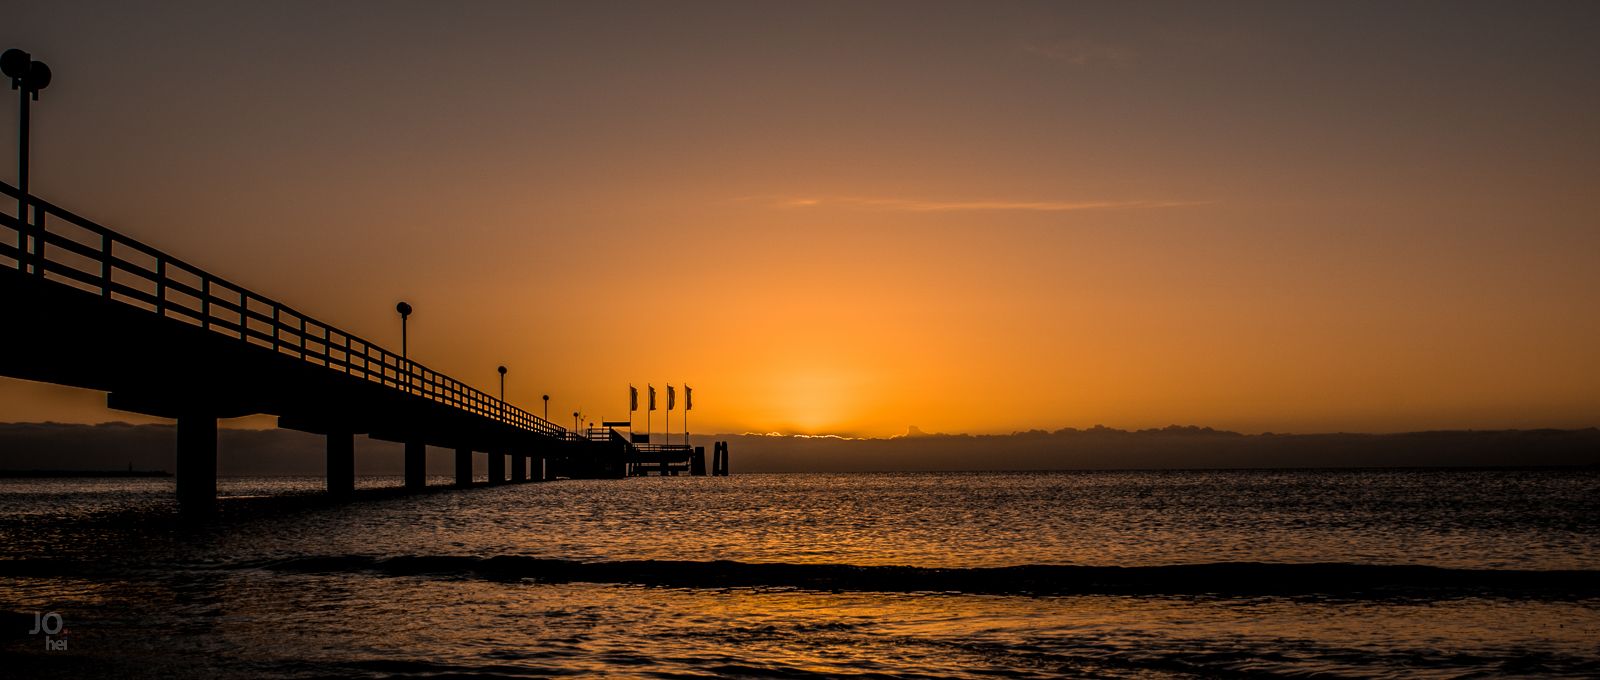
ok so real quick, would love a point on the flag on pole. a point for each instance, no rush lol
(633, 398)
(672, 398)
(652, 396)
(688, 398)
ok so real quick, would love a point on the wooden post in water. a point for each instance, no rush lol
(197, 462)
(416, 465)
(722, 459)
(697, 462)
(464, 467)
(341, 463)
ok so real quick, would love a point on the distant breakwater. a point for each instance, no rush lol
(110, 446)
(42, 474)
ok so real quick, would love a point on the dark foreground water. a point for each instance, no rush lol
(1330, 574)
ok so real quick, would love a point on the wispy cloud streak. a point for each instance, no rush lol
(1082, 52)
(940, 206)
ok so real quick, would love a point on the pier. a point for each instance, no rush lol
(91, 308)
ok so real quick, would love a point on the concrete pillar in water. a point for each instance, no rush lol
(519, 468)
(497, 467)
(416, 465)
(197, 462)
(463, 467)
(341, 463)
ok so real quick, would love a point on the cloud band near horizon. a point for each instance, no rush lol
(935, 206)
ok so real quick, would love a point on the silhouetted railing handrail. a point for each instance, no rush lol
(664, 448)
(604, 434)
(172, 288)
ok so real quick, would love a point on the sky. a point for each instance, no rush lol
(849, 218)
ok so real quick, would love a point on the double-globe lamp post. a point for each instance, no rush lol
(29, 76)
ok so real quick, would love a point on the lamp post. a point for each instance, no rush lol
(29, 76)
(547, 408)
(405, 312)
(502, 383)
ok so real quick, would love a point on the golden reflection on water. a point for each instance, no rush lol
(254, 621)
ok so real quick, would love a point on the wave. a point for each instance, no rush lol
(1225, 578)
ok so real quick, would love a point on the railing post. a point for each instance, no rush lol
(37, 227)
(277, 328)
(161, 287)
(105, 266)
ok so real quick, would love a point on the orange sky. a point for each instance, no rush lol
(852, 217)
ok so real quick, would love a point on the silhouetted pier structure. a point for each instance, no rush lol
(91, 308)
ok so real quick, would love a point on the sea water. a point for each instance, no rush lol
(1406, 573)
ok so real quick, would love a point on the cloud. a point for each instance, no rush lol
(940, 206)
(1082, 53)
(997, 205)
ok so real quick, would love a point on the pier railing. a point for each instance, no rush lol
(57, 245)
(604, 434)
(664, 448)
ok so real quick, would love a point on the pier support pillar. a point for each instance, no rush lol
(416, 465)
(519, 468)
(697, 462)
(497, 467)
(341, 463)
(197, 462)
(463, 467)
